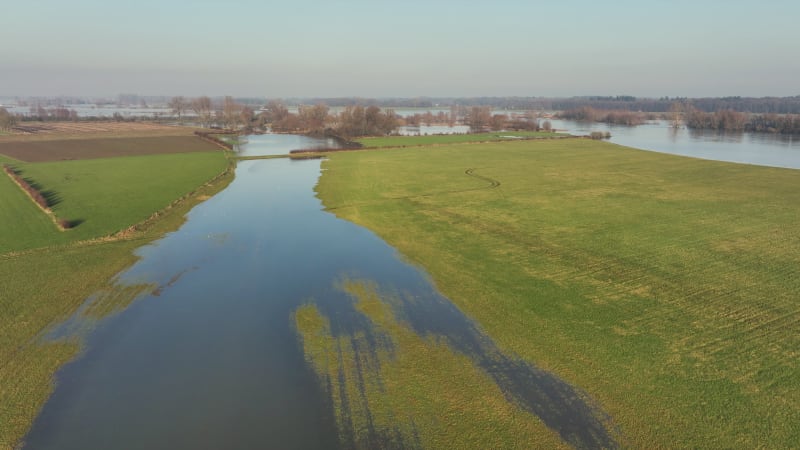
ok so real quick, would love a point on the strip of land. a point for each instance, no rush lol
(413, 141)
(665, 287)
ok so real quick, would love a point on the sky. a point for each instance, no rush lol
(435, 48)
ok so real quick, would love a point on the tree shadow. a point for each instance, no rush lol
(52, 198)
(74, 223)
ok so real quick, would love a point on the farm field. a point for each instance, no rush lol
(665, 287)
(60, 130)
(411, 141)
(41, 150)
(48, 273)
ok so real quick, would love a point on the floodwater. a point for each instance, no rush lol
(281, 144)
(763, 149)
(209, 357)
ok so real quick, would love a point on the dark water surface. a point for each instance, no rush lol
(209, 356)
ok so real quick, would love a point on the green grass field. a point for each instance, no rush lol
(411, 141)
(665, 287)
(40, 150)
(46, 273)
(104, 195)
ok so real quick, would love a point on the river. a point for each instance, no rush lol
(206, 353)
(763, 149)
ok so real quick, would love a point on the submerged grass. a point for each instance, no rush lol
(666, 287)
(411, 392)
(47, 274)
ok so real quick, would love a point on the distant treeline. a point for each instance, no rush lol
(353, 121)
(730, 120)
(358, 120)
(612, 116)
(757, 105)
(694, 118)
(760, 105)
(763, 105)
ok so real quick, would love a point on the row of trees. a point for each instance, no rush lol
(58, 113)
(227, 114)
(724, 120)
(353, 121)
(480, 119)
(357, 121)
(729, 120)
(7, 120)
(773, 123)
(614, 116)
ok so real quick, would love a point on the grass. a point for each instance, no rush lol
(665, 287)
(103, 195)
(46, 274)
(412, 392)
(411, 141)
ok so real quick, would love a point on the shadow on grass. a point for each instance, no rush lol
(563, 408)
(52, 198)
(74, 222)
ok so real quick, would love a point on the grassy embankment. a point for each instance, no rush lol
(665, 287)
(48, 273)
(411, 141)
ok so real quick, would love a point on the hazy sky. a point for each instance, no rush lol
(306, 48)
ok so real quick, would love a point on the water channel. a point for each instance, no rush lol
(763, 149)
(206, 354)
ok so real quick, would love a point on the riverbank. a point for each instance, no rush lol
(661, 285)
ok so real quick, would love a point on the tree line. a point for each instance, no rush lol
(353, 121)
(730, 120)
(7, 120)
(760, 105)
(613, 116)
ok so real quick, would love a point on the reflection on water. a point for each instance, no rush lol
(208, 355)
(764, 149)
(281, 144)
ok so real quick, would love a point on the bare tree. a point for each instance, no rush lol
(247, 115)
(357, 121)
(7, 120)
(498, 122)
(479, 118)
(178, 105)
(231, 113)
(313, 118)
(675, 112)
(202, 107)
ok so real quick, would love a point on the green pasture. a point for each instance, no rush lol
(667, 288)
(411, 141)
(102, 196)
